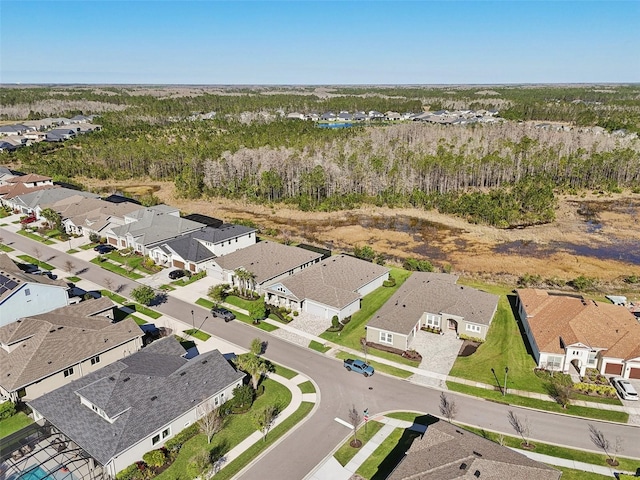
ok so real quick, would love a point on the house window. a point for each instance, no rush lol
(592, 358)
(433, 320)
(166, 432)
(386, 337)
(95, 360)
(155, 439)
(473, 328)
(554, 362)
(27, 292)
(68, 372)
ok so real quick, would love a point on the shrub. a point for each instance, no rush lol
(7, 409)
(154, 458)
(335, 321)
(582, 283)
(345, 320)
(296, 313)
(462, 336)
(175, 443)
(129, 473)
(389, 283)
(416, 265)
(243, 396)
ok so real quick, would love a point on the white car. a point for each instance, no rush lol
(624, 388)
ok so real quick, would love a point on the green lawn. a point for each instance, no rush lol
(285, 372)
(167, 288)
(419, 418)
(188, 280)
(504, 347)
(354, 330)
(73, 279)
(144, 310)
(13, 424)
(346, 452)
(35, 237)
(267, 327)
(5, 248)
(241, 303)
(200, 335)
(203, 302)
(571, 474)
(72, 251)
(606, 400)
(114, 296)
(88, 246)
(138, 320)
(381, 367)
(307, 387)
(626, 464)
(387, 456)
(35, 261)
(392, 356)
(116, 269)
(509, 399)
(318, 347)
(236, 429)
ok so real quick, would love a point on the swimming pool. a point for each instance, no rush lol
(37, 473)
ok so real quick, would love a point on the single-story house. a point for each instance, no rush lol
(61, 134)
(334, 286)
(570, 330)
(36, 201)
(267, 261)
(146, 228)
(15, 129)
(134, 405)
(447, 452)
(23, 294)
(432, 300)
(43, 352)
(196, 250)
(84, 216)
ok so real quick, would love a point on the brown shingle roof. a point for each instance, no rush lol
(44, 344)
(267, 259)
(435, 293)
(10, 191)
(446, 452)
(334, 281)
(578, 320)
(30, 178)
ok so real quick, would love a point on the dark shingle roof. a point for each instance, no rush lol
(435, 293)
(161, 387)
(446, 452)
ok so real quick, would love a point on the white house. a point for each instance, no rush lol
(123, 410)
(334, 286)
(570, 331)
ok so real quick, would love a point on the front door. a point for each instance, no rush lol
(453, 325)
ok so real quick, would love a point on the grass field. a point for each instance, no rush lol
(346, 452)
(318, 347)
(112, 267)
(267, 327)
(509, 399)
(114, 296)
(200, 335)
(5, 248)
(285, 372)
(354, 330)
(307, 387)
(13, 424)
(35, 237)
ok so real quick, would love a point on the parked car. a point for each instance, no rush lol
(358, 366)
(175, 274)
(28, 219)
(223, 313)
(624, 388)
(104, 248)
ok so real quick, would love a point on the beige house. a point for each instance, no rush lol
(268, 261)
(433, 300)
(43, 352)
(569, 331)
(334, 286)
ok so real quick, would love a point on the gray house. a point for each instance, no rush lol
(433, 300)
(132, 406)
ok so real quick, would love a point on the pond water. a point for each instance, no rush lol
(335, 125)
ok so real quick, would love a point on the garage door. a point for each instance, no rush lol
(315, 309)
(178, 264)
(215, 274)
(634, 373)
(613, 368)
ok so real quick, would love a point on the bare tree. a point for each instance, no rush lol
(211, 420)
(521, 427)
(69, 266)
(354, 420)
(108, 283)
(617, 449)
(600, 441)
(448, 408)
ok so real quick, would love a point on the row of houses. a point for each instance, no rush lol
(59, 129)
(440, 116)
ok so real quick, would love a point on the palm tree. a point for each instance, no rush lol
(241, 276)
(254, 366)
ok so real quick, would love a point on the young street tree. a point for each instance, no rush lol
(354, 420)
(600, 441)
(257, 311)
(448, 408)
(263, 419)
(257, 346)
(211, 421)
(521, 427)
(143, 294)
(69, 266)
(218, 293)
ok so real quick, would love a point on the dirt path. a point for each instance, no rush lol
(606, 248)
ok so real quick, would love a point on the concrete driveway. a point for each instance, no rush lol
(439, 352)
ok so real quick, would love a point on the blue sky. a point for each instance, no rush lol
(319, 42)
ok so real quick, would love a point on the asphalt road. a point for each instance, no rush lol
(295, 456)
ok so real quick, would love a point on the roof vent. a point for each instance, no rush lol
(476, 474)
(113, 379)
(52, 331)
(49, 362)
(60, 328)
(204, 361)
(182, 374)
(477, 454)
(463, 466)
(458, 431)
(154, 398)
(126, 379)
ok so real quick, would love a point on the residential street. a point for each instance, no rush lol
(305, 447)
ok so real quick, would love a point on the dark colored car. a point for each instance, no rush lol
(104, 248)
(175, 274)
(223, 313)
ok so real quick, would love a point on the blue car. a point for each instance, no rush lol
(358, 366)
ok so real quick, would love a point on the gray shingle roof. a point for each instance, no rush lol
(156, 224)
(446, 452)
(54, 341)
(267, 260)
(48, 196)
(435, 293)
(169, 387)
(334, 281)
